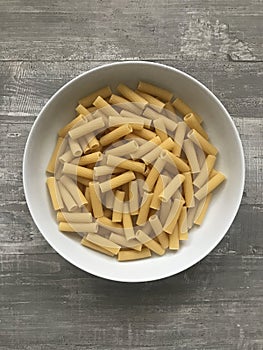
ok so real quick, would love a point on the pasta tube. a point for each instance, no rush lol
(149, 242)
(54, 193)
(95, 199)
(172, 187)
(117, 181)
(116, 134)
(88, 100)
(151, 89)
(201, 142)
(212, 184)
(128, 255)
(131, 95)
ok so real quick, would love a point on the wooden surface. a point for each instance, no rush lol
(45, 302)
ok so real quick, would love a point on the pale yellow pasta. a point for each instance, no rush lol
(184, 109)
(145, 134)
(151, 89)
(83, 143)
(96, 247)
(105, 107)
(69, 202)
(75, 147)
(133, 198)
(149, 242)
(179, 138)
(201, 142)
(146, 147)
(131, 95)
(78, 226)
(118, 206)
(63, 131)
(190, 153)
(73, 169)
(143, 175)
(120, 240)
(109, 199)
(54, 193)
(213, 173)
(188, 190)
(95, 199)
(212, 184)
(155, 104)
(169, 107)
(66, 157)
(151, 156)
(191, 216)
(122, 150)
(116, 134)
(127, 223)
(156, 225)
(153, 175)
(117, 181)
(87, 196)
(140, 141)
(205, 171)
(147, 122)
(171, 187)
(174, 239)
(160, 129)
(104, 243)
(86, 128)
(128, 255)
(103, 170)
(151, 114)
(90, 158)
(74, 217)
(136, 124)
(82, 110)
(125, 104)
(163, 239)
(54, 156)
(173, 216)
(201, 156)
(88, 100)
(127, 164)
(202, 209)
(177, 162)
(109, 225)
(158, 188)
(182, 225)
(93, 143)
(193, 123)
(73, 189)
(144, 209)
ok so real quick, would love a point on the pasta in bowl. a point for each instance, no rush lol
(133, 170)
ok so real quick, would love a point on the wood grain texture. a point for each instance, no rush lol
(45, 302)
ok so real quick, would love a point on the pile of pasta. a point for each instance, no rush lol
(132, 173)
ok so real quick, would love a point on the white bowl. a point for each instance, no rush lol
(220, 127)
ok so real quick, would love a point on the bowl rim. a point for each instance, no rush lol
(237, 203)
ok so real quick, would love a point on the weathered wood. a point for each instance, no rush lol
(49, 302)
(45, 302)
(27, 86)
(134, 29)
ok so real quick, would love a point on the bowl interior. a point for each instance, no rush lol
(60, 109)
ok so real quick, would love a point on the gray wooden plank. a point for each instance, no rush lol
(27, 86)
(135, 29)
(19, 235)
(47, 301)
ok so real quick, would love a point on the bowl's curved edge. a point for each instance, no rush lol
(238, 202)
